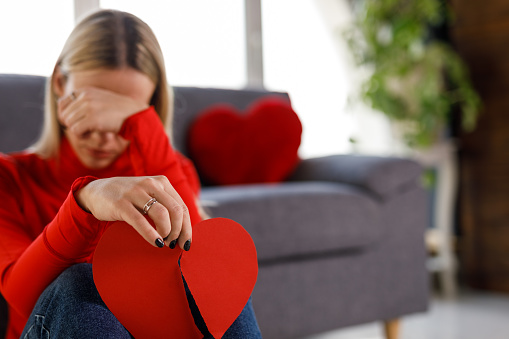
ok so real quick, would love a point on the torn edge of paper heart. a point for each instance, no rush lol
(198, 318)
(242, 271)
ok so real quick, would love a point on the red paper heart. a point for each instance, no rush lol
(220, 271)
(143, 288)
(229, 147)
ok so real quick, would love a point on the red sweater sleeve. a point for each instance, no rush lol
(151, 153)
(27, 266)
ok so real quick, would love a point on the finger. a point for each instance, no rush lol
(64, 101)
(175, 215)
(161, 218)
(186, 233)
(134, 218)
(74, 112)
(81, 127)
(158, 187)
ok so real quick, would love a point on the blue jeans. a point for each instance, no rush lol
(71, 307)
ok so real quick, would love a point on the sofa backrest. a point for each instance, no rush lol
(22, 102)
(21, 110)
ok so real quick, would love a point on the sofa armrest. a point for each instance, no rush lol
(383, 176)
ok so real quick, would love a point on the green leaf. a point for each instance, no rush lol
(414, 81)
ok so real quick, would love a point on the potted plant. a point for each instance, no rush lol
(415, 79)
(418, 81)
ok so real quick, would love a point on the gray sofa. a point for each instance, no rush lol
(339, 243)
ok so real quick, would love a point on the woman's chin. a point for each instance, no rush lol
(96, 164)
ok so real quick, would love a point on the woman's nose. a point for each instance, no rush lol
(102, 138)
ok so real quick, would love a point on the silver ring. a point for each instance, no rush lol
(73, 95)
(148, 205)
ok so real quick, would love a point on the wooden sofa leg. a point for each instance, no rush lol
(391, 329)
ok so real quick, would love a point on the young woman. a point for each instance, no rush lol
(103, 156)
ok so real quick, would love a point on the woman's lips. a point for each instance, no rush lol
(99, 154)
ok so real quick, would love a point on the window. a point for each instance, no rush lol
(202, 40)
(300, 57)
(203, 43)
(33, 34)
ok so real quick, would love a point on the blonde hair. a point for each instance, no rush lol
(107, 39)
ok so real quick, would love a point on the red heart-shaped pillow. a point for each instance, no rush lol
(229, 147)
(142, 285)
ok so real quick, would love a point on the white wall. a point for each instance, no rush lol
(32, 34)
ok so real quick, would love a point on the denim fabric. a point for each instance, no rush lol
(71, 307)
(245, 326)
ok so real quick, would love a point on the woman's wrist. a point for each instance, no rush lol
(134, 106)
(80, 196)
(140, 107)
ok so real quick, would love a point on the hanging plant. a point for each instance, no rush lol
(415, 80)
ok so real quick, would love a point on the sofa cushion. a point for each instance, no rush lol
(282, 218)
(190, 102)
(232, 147)
(383, 176)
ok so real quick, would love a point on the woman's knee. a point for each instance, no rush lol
(70, 290)
(72, 306)
(246, 325)
(76, 280)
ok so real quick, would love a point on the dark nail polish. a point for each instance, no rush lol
(159, 243)
(187, 245)
(173, 243)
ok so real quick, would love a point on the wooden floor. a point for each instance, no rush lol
(474, 315)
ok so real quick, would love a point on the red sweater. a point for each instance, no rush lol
(43, 231)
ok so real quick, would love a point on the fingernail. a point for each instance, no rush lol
(187, 245)
(173, 243)
(159, 243)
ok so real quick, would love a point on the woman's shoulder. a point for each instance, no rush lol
(13, 162)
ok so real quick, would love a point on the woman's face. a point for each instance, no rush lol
(97, 149)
